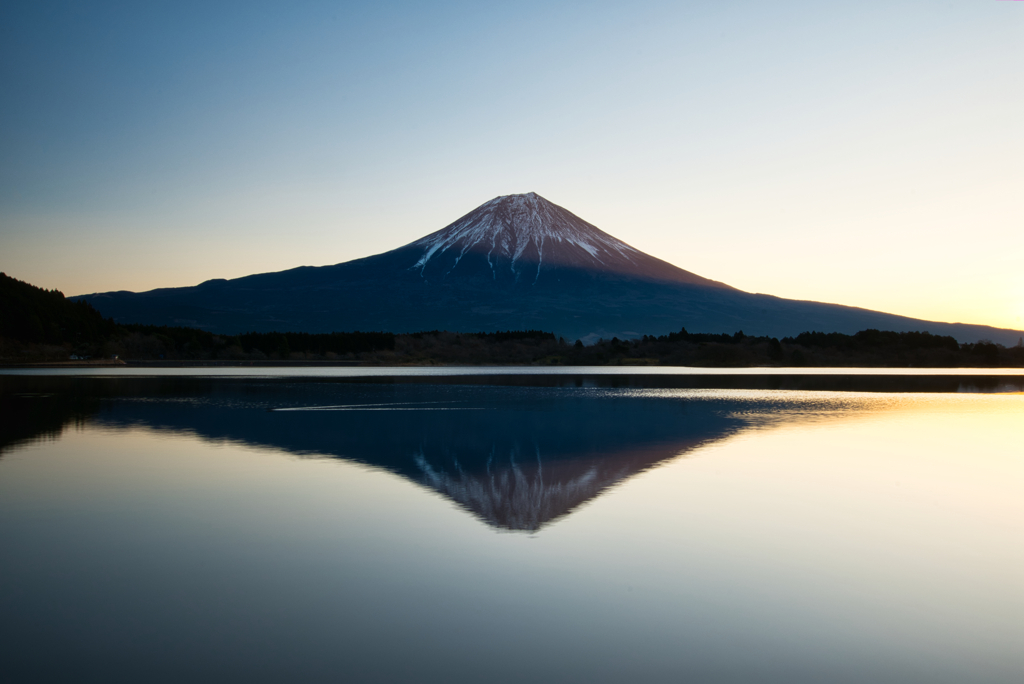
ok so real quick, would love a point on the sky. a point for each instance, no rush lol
(862, 153)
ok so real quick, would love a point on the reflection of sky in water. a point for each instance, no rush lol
(317, 371)
(801, 537)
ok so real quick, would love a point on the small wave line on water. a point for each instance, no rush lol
(412, 408)
(345, 406)
(397, 406)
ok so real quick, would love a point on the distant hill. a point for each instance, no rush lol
(517, 262)
(34, 315)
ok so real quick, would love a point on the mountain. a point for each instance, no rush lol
(516, 262)
(515, 238)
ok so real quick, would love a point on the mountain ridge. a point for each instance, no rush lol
(515, 262)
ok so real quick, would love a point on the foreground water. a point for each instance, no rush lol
(309, 529)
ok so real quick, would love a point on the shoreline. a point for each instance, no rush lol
(121, 363)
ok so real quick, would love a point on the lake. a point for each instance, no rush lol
(466, 525)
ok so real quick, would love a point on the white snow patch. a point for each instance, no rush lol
(511, 224)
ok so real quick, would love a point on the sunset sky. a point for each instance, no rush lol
(863, 153)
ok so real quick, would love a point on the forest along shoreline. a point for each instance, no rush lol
(40, 328)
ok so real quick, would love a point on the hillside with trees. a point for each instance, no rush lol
(42, 326)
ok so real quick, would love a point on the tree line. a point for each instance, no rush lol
(42, 325)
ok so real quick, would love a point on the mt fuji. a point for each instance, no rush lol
(516, 262)
(522, 236)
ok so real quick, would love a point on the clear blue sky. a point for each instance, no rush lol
(866, 153)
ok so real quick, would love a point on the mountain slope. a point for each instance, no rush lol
(516, 262)
(34, 315)
(521, 236)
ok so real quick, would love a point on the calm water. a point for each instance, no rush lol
(321, 529)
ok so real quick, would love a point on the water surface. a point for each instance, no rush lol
(275, 528)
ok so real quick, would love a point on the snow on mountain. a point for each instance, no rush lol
(523, 235)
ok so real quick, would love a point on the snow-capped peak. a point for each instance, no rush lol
(524, 231)
(519, 237)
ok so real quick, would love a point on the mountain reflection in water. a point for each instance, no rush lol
(516, 458)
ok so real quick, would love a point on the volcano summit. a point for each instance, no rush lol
(516, 262)
(522, 236)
